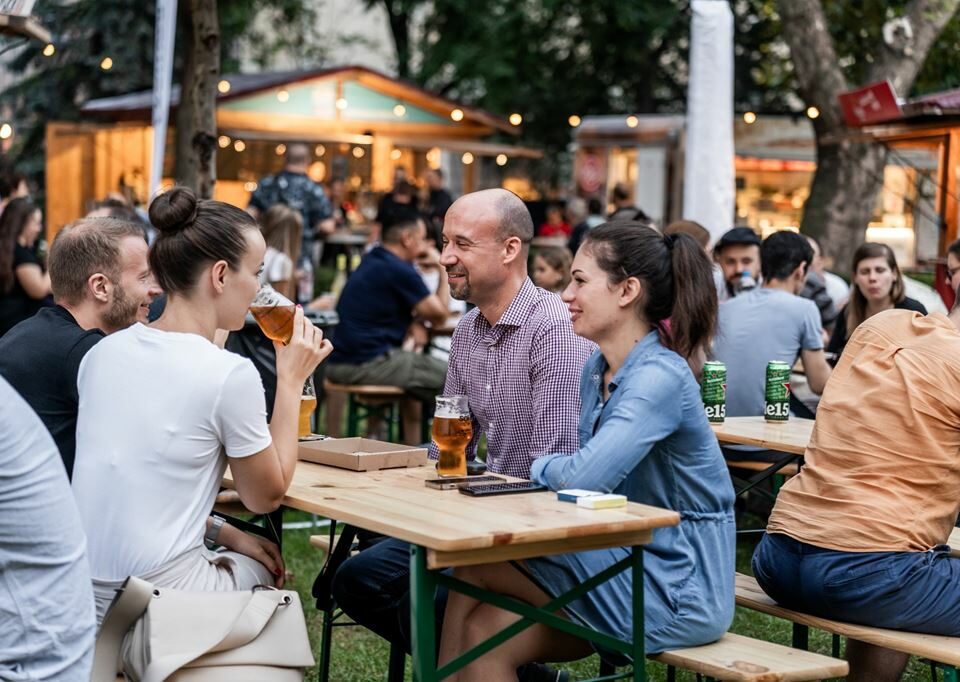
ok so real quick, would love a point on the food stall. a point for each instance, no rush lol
(361, 125)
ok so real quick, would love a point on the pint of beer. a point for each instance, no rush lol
(274, 313)
(308, 403)
(452, 431)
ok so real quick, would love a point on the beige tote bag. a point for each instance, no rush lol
(202, 636)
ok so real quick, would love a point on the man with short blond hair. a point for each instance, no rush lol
(101, 283)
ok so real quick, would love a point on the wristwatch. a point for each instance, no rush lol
(213, 531)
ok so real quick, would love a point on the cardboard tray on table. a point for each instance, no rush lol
(362, 454)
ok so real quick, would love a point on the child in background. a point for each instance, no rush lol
(551, 268)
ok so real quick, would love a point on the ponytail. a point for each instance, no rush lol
(677, 276)
(694, 315)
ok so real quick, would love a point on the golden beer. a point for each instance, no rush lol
(451, 434)
(276, 322)
(307, 405)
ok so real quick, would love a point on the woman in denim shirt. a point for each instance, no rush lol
(643, 434)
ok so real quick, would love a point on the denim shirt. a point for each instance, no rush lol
(651, 441)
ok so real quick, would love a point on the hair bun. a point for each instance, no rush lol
(174, 210)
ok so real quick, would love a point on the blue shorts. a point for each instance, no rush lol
(914, 591)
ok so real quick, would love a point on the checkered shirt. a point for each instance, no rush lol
(522, 379)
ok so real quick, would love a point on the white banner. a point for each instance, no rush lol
(708, 175)
(166, 30)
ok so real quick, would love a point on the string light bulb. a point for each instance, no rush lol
(49, 49)
(223, 86)
(574, 121)
(106, 63)
(457, 115)
(515, 119)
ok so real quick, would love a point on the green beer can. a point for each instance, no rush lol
(776, 399)
(713, 390)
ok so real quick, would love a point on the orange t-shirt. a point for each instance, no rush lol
(882, 469)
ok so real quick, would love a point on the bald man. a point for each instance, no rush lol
(514, 356)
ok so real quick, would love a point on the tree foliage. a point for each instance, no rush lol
(86, 31)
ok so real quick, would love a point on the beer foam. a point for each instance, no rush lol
(447, 413)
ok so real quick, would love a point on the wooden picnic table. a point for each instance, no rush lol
(447, 328)
(789, 437)
(447, 528)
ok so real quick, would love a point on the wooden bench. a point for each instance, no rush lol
(743, 659)
(787, 470)
(368, 400)
(938, 648)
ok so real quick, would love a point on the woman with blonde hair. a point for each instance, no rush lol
(877, 286)
(282, 229)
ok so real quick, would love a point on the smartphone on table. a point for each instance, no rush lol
(485, 489)
(450, 483)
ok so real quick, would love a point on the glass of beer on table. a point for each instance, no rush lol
(452, 431)
(274, 314)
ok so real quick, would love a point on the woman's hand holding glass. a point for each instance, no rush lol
(307, 348)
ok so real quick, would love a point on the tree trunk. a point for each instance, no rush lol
(849, 174)
(196, 114)
(842, 197)
(398, 16)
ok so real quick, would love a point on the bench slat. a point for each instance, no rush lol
(743, 659)
(935, 647)
(791, 469)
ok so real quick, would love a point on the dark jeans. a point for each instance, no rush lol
(373, 588)
(913, 591)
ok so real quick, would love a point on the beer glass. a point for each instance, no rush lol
(452, 431)
(274, 314)
(308, 403)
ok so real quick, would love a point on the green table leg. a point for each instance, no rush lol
(639, 657)
(950, 674)
(423, 589)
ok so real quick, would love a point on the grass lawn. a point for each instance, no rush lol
(361, 656)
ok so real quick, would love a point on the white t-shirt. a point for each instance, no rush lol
(157, 411)
(277, 267)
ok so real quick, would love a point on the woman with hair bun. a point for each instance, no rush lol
(163, 409)
(643, 434)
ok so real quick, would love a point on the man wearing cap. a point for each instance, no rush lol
(738, 254)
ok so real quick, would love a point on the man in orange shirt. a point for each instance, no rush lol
(859, 535)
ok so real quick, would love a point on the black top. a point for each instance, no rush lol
(40, 357)
(300, 193)
(840, 336)
(17, 305)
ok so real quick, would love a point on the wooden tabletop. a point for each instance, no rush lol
(790, 436)
(458, 529)
(346, 237)
(447, 328)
